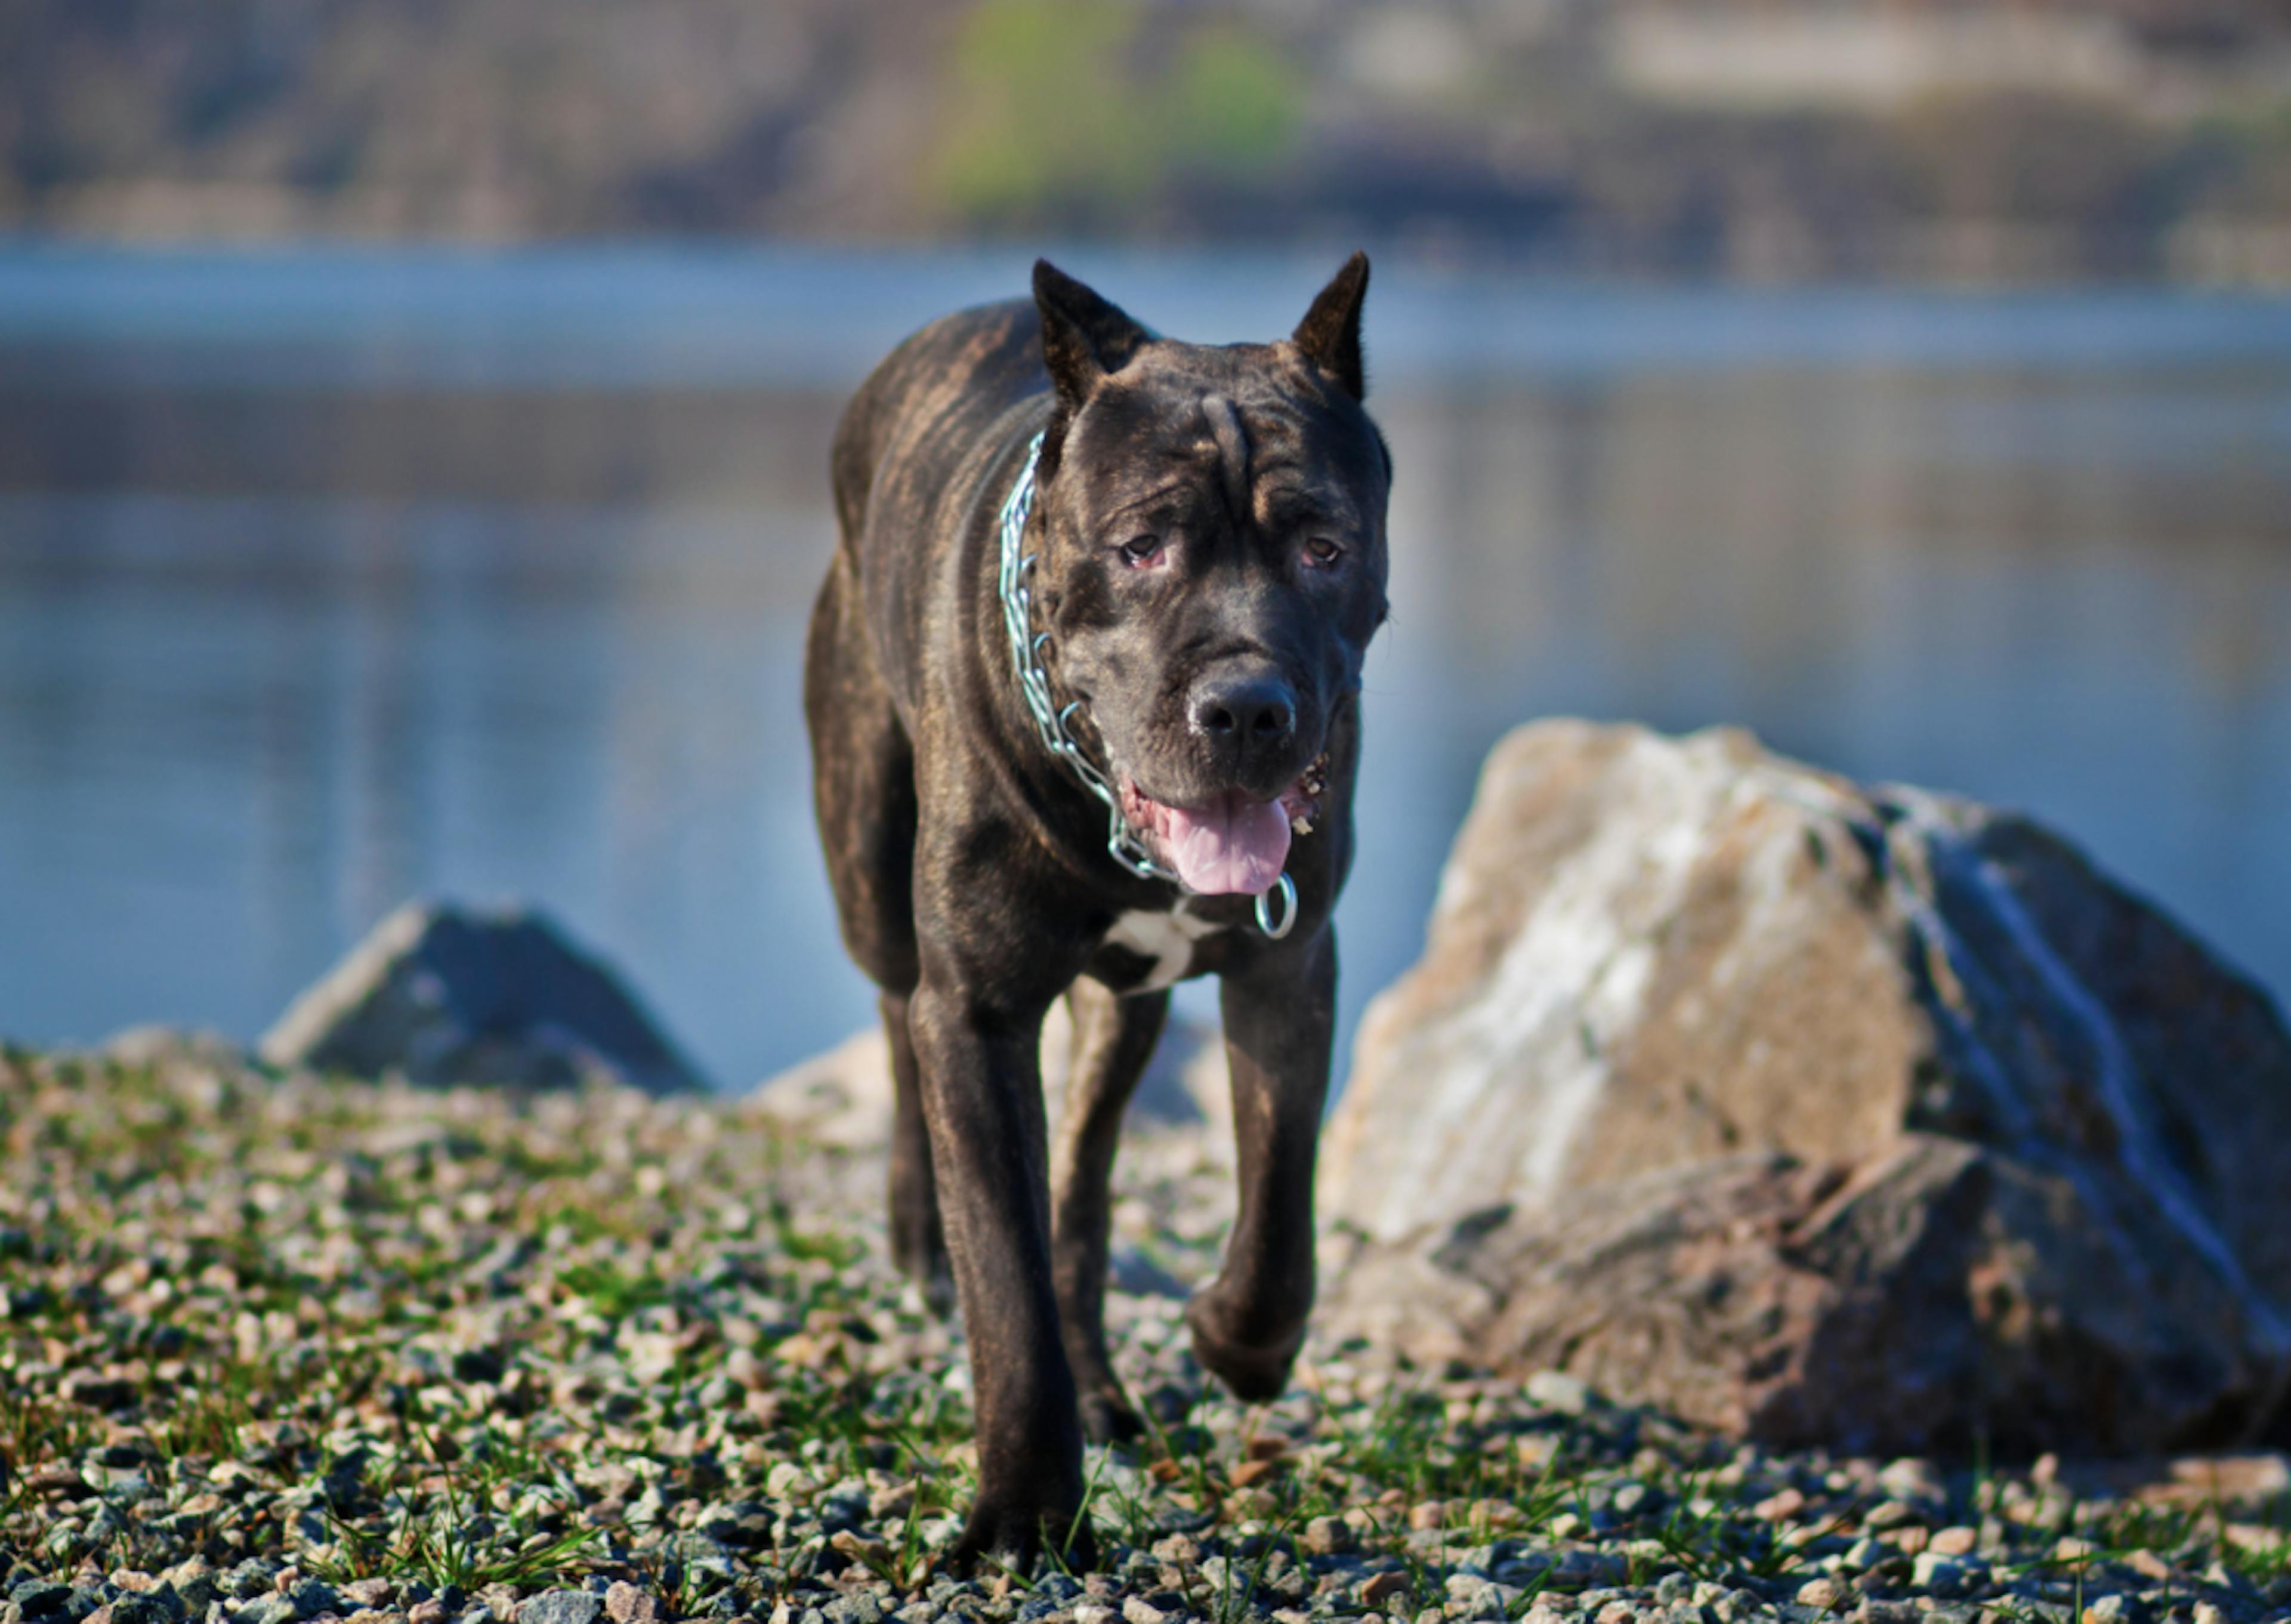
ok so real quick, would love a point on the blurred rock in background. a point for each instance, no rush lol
(443, 995)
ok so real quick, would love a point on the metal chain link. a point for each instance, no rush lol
(1123, 843)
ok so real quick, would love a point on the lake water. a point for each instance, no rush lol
(329, 579)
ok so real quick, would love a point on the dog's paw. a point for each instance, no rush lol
(1108, 1417)
(1256, 1372)
(919, 1251)
(1023, 1540)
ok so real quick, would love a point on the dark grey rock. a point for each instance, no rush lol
(250, 1578)
(314, 1596)
(41, 1598)
(444, 996)
(744, 1525)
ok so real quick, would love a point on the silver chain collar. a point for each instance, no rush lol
(1123, 843)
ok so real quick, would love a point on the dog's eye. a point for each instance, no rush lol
(1141, 551)
(1320, 552)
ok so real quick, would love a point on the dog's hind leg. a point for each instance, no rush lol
(1114, 1040)
(918, 1235)
(864, 788)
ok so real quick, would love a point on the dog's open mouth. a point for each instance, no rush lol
(1230, 844)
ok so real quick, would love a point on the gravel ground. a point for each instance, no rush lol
(278, 1349)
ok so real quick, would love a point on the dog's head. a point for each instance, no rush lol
(1213, 564)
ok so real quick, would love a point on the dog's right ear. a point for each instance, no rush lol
(1083, 337)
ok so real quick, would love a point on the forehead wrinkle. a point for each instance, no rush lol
(1233, 453)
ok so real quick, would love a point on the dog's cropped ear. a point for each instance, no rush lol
(1083, 337)
(1329, 335)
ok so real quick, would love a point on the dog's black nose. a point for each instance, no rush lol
(1244, 714)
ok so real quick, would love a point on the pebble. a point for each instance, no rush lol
(1374, 1591)
(1956, 1541)
(1780, 1507)
(1824, 1594)
(1943, 1576)
(624, 1603)
(558, 1607)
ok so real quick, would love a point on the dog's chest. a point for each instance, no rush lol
(1144, 952)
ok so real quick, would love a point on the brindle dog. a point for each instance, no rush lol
(1206, 532)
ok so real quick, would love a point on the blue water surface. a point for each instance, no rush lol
(333, 577)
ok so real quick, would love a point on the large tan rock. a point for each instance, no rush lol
(1652, 958)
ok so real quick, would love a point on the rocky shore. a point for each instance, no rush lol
(283, 1347)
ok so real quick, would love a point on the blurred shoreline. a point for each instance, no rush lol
(1917, 141)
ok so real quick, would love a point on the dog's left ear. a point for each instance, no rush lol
(1083, 336)
(1329, 335)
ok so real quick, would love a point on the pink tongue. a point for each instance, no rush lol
(1232, 845)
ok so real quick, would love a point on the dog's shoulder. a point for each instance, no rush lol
(985, 356)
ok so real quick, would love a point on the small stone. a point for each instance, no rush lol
(1243, 1505)
(272, 1608)
(2148, 1565)
(430, 1609)
(624, 1603)
(1428, 1514)
(1824, 1594)
(2116, 1608)
(1938, 1574)
(1330, 1537)
(2210, 1612)
(314, 1596)
(1138, 1610)
(1590, 1569)
(370, 1592)
(558, 1607)
(40, 1598)
(1556, 1390)
(1780, 1507)
(1375, 1590)
(861, 1607)
(1959, 1542)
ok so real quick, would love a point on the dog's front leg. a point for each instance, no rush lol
(1280, 1023)
(980, 1069)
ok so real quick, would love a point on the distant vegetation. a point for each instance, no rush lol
(2109, 137)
